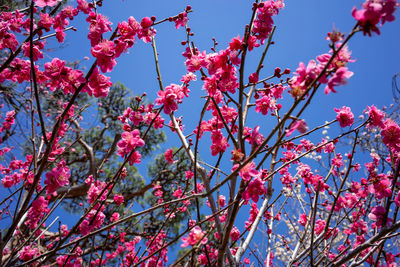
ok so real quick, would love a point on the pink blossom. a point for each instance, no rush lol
(376, 117)
(36, 212)
(196, 62)
(58, 177)
(27, 253)
(253, 78)
(372, 12)
(263, 23)
(219, 143)
(303, 219)
(105, 54)
(195, 236)
(83, 6)
(344, 116)
(118, 199)
(265, 104)
(170, 97)
(319, 226)
(181, 20)
(235, 234)
(252, 42)
(248, 171)
(43, 3)
(377, 214)
(99, 85)
(99, 24)
(391, 134)
(169, 156)
(340, 77)
(299, 125)
(93, 221)
(129, 141)
(254, 190)
(36, 53)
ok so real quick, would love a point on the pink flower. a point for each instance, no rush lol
(196, 62)
(170, 97)
(99, 24)
(253, 78)
(344, 116)
(36, 212)
(169, 156)
(303, 219)
(105, 54)
(36, 53)
(27, 253)
(254, 190)
(391, 135)
(43, 3)
(372, 12)
(377, 214)
(129, 141)
(196, 235)
(252, 42)
(299, 125)
(58, 177)
(248, 171)
(181, 20)
(235, 234)
(265, 104)
(219, 143)
(340, 77)
(376, 117)
(99, 85)
(319, 226)
(118, 199)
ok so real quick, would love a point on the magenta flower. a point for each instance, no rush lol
(43, 3)
(391, 135)
(299, 125)
(376, 117)
(169, 156)
(105, 54)
(170, 97)
(344, 116)
(340, 77)
(196, 235)
(58, 177)
(129, 141)
(254, 190)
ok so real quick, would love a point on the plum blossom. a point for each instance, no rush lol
(27, 253)
(196, 235)
(43, 3)
(340, 77)
(169, 156)
(129, 141)
(105, 54)
(391, 134)
(59, 176)
(99, 84)
(36, 212)
(376, 117)
(181, 20)
(254, 190)
(219, 143)
(344, 116)
(170, 97)
(299, 125)
(372, 12)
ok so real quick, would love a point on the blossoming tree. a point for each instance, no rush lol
(343, 212)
